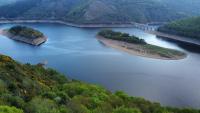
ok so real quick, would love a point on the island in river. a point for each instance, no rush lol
(25, 34)
(136, 46)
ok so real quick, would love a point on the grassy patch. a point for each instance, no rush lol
(163, 52)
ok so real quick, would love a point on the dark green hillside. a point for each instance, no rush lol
(13, 10)
(35, 89)
(187, 27)
(186, 7)
(100, 11)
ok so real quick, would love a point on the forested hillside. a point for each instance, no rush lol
(186, 7)
(34, 89)
(101, 11)
(186, 27)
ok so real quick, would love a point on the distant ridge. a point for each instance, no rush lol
(100, 11)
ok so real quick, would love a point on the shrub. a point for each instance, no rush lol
(121, 37)
(41, 105)
(7, 109)
(25, 32)
(126, 110)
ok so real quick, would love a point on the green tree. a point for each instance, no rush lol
(42, 105)
(126, 110)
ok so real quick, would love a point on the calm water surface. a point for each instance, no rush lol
(78, 54)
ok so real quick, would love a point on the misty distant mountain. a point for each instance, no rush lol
(102, 11)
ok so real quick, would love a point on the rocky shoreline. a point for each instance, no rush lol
(69, 24)
(36, 42)
(128, 25)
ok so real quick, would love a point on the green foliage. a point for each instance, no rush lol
(7, 109)
(187, 27)
(98, 11)
(41, 105)
(25, 32)
(126, 110)
(35, 89)
(120, 36)
(164, 52)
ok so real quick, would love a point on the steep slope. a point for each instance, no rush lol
(14, 10)
(186, 7)
(50, 9)
(187, 27)
(123, 11)
(35, 89)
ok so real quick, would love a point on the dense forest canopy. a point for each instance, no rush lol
(186, 27)
(101, 11)
(25, 32)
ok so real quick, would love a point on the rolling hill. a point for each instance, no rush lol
(101, 11)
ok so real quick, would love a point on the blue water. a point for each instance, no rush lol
(78, 54)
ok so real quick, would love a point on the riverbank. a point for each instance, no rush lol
(175, 37)
(129, 25)
(137, 49)
(69, 24)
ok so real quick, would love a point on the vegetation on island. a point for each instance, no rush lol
(152, 49)
(189, 28)
(24, 31)
(34, 89)
(121, 37)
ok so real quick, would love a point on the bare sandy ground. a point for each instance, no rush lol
(134, 49)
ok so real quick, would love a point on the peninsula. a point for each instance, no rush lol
(136, 46)
(25, 34)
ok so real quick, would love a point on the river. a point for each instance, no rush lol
(78, 54)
